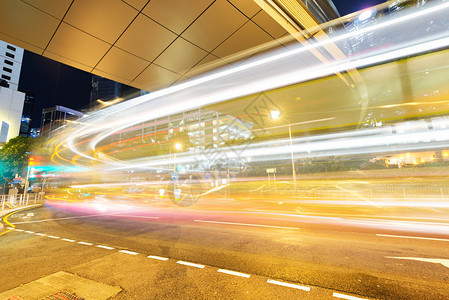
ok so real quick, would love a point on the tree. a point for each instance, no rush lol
(14, 156)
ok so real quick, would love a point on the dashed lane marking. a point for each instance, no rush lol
(85, 243)
(230, 272)
(157, 257)
(186, 263)
(27, 231)
(247, 224)
(290, 285)
(343, 296)
(128, 252)
(413, 237)
(105, 247)
(10, 228)
(68, 240)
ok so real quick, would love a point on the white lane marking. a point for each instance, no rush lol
(157, 257)
(444, 262)
(343, 296)
(27, 231)
(291, 285)
(134, 216)
(46, 220)
(68, 240)
(10, 228)
(413, 237)
(19, 229)
(53, 237)
(246, 224)
(41, 234)
(128, 252)
(233, 273)
(105, 247)
(85, 243)
(186, 263)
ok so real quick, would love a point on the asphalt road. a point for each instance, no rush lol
(324, 254)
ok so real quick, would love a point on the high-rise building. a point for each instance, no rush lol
(27, 113)
(10, 64)
(11, 106)
(105, 90)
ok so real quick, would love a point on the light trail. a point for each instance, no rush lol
(255, 76)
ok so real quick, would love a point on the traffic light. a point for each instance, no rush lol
(34, 160)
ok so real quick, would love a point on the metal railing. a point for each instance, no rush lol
(18, 200)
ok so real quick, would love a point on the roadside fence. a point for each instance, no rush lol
(18, 200)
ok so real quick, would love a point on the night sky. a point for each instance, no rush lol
(345, 7)
(54, 83)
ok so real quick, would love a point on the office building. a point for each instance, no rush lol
(55, 117)
(10, 64)
(11, 106)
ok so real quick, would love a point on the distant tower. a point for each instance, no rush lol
(27, 114)
(10, 64)
(105, 90)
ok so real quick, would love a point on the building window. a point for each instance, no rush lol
(11, 47)
(8, 62)
(6, 77)
(10, 55)
(7, 69)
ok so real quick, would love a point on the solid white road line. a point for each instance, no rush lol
(186, 263)
(134, 216)
(343, 296)
(19, 229)
(291, 285)
(68, 240)
(27, 231)
(443, 261)
(84, 243)
(10, 228)
(157, 257)
(246, 224)
(233, 273)
(105, 247)
(53, 237)
(128, 252)
(57, 219)
(413, 237)
(41, 234)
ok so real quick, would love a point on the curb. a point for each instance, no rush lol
(4, 217)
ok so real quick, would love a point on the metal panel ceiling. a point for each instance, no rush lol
(146, 44)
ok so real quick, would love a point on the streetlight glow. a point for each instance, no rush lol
(178, 146)
(275, 114)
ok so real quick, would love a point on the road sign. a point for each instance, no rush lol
(208, 175)
(175, 176)
(17, 180)
(272, 170)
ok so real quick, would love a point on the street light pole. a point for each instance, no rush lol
(276, 114)
(293, 161)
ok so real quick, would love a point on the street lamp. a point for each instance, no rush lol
(177, 146)
(274, 115)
